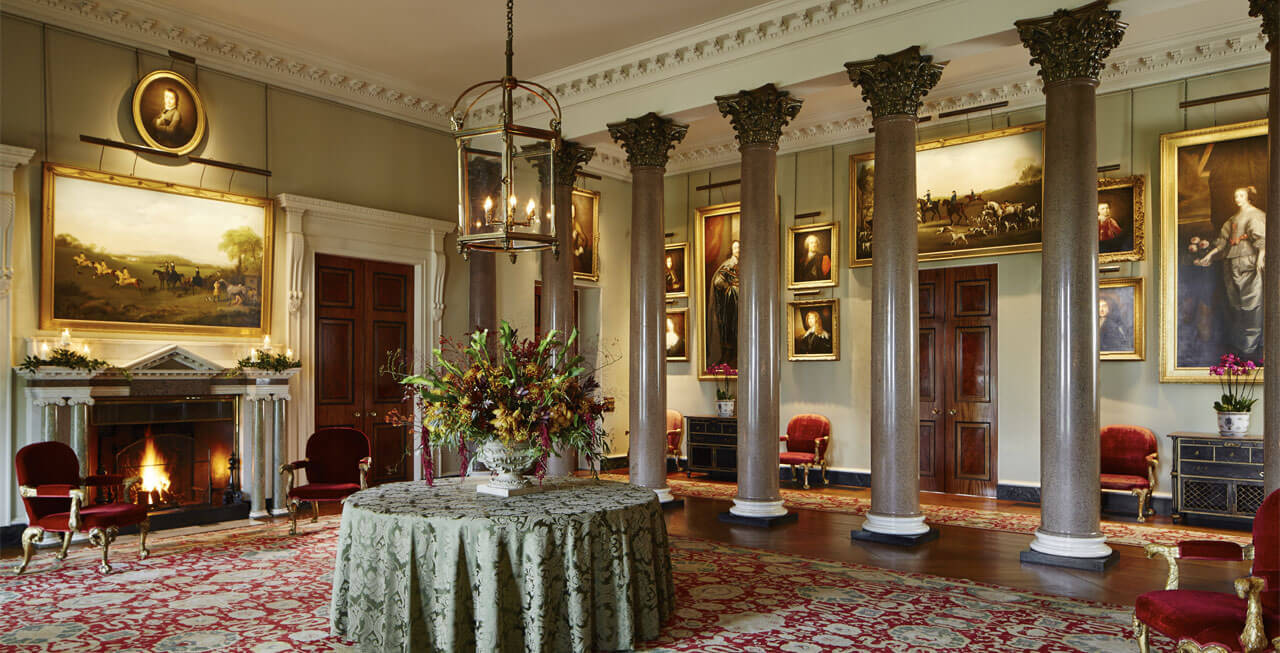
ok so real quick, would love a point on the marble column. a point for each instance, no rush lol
(758, 117)
(1269, 10)
(258, 437)
(1070, 46)
(557, 269)
(648, 140)
(79, 430)
(279, 502)
(893, 86)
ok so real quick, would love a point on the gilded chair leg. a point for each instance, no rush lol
(293, 516)
(103, 538)
(144, 527)
(1141, 634)
(29, 538)
(804, 469)
(66, 544)
(1144, 496)
(824, 473)
(315, 511)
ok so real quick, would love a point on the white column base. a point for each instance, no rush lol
(1070, 547)
(258, 514)
(276, 512)
(749, 508)
(888, 525)
(664, 495)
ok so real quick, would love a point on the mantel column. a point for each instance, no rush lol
(758, 117)
(10, 158)
(893, 86)
(279, 405)
(1269, 10)
(1070, 47)
(256, 407)
(647, 140)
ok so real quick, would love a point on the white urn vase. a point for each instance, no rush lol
(510, 464)
(725, 407)
(1232, 425)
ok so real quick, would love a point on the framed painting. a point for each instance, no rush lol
(129, 254)
(585, 240)
(813, 330)
(1214, 190)
(168, 112)
(716, 305)
(1122, 220)
(677, 335)
(812, 256)
(1121, 320)
(976, 195)
(676, 272)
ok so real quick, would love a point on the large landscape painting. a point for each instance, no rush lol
(976, 195)
(128, 253)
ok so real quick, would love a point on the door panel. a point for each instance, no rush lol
(335, 372)
(973, 364)
(931, 370)
(390, 323)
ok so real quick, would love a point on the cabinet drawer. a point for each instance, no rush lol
(1219, 470)
(1196, 451)
(708, 438)
(1257, 455)
(1234, 454)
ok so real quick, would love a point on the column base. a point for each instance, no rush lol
(1088, 553)
(1033, 557)
(761, 514)
(758, 522)
(664, 495)
(894, 525)
(865, 535)
(258, 514)
(277, 512)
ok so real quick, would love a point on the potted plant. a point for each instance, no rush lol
(726, 402)
(512, 408)
(1237, 378)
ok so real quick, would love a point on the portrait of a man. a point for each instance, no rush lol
(675, 337)
(812, 256)
(1121, 319)
(814, 330)
(674, 270)
(1121, 223)
(168, 112)
(583, 242)
(716, 304)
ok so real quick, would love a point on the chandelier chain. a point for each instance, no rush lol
(510, 35)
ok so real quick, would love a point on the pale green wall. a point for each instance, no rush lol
(1129, 128)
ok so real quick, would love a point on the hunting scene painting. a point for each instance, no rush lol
(976, 195)
(121, 252)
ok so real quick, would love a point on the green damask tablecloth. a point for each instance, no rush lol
(582, 566)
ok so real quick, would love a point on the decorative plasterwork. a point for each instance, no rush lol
(1269, 10)
(759, 115)
(895, 83)
(648, 139)
(173, 359)
(1073, 43)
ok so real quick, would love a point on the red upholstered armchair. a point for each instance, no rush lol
(54, 496)
(1129, 462)
(805, 445)
(1249, 621)
(337, 465)
(675, 433)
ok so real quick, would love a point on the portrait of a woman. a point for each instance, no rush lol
(1240, 245)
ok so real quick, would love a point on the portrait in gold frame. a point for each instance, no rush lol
(1201, 174)
(939, 241)
(819, 269)
(584, 241)
(1125, 198)
(1125, 320)
(675, 261)
(122, 253)
(805, 340)
(168, 112)
(676, 339)
(718, 223)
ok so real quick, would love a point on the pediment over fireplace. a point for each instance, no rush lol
(173, 360)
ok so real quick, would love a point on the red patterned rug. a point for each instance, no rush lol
(257, 589)
(992, 520)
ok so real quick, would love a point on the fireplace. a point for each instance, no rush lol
(183, 449)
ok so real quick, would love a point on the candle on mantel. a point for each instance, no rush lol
(266, 343)
(86, 350)
(253, 355)
(44, 350)
(66, 337)
(288, 353)
(32, 347)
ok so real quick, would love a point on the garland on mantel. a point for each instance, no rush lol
(266, 361)
(64, 357)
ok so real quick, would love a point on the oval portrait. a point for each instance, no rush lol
(168, 112)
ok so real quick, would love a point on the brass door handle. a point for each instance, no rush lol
(935, 411)
(373, 413)
(357, 413)
(951, 411)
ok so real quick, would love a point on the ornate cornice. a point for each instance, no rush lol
(648, 139)
(568, 161)
(759, 115)
(894, 84)
(1072, 43)
(1269, 10)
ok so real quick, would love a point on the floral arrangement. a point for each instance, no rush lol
(526, 394)
(1237, 378)
(725, 374)
(267, 361)
(64, 357)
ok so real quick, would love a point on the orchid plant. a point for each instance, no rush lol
(1237, 378)
(725, 374)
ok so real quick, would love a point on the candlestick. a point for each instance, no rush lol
(266, 343)
(253, 355)
(288, 353)
(66, 337)
(86, 350)
(44, 350)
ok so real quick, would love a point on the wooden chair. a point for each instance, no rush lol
(675, 434)
(806, 445)
(54, 496)
(1129, 463)
(1248, 621)
(337, 465)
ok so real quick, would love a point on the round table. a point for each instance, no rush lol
(582, 566)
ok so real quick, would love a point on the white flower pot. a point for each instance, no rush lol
(1233, 425)
(725, 407)
(510, 464)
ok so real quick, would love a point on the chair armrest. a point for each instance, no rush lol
(1170, 553)
(820, 449)
(1254, 635)
(1212, 550)
(287, 474)
(297, 464)
(365, 464)
(47, 491)
(1153, 463)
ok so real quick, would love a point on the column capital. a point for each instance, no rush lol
(1269, 10)
(648, 139)
(1072, 43)
(566, 162)
(759, 115)
(894, 84)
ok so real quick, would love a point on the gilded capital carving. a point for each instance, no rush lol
(1269, 10)
(648, 139)
(759, 115)
(566, 162)
(1072, 43)
(894, 84)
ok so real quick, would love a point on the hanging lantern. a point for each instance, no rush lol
(505, 170)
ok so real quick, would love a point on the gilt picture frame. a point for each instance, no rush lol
(676, 335)
(1122, 231)
(122, 253)
(1122, 330)
(715, 305)
(1213, 201)
(813, 330)
(676, 270)
(584, 241)
(168, 112)
(813, 256)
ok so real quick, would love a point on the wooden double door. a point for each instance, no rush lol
(364, 312)
(958, 380)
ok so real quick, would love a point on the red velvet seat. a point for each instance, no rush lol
(1248, 621)
(1129, 462)
(54, 496)
(806, 444)
(337, 465)
(675, 434)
